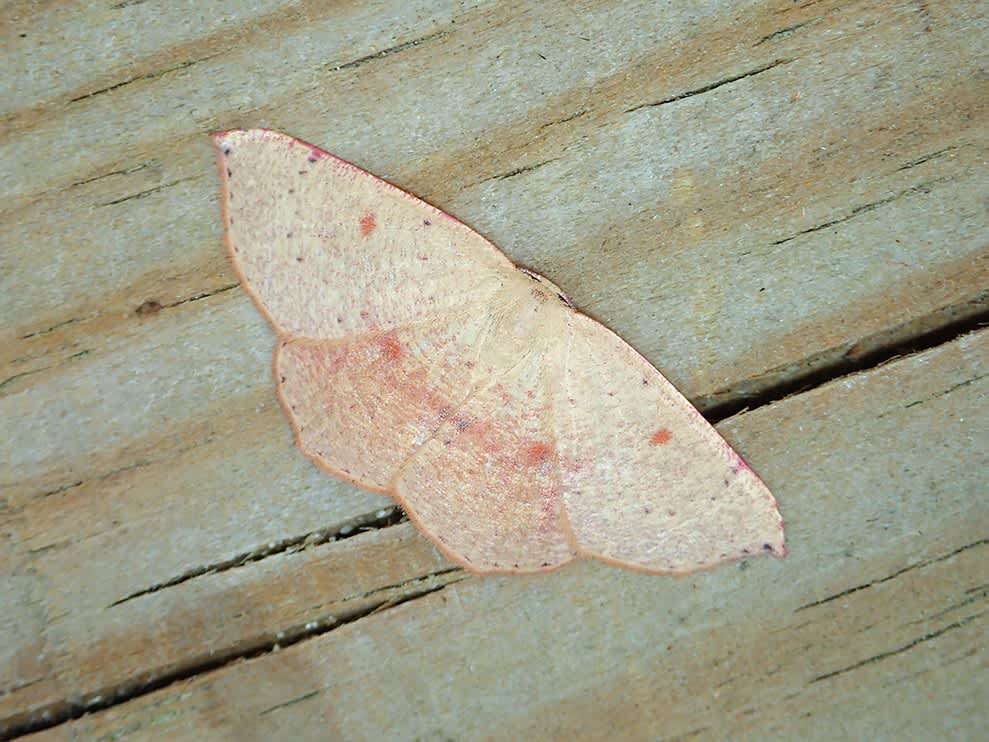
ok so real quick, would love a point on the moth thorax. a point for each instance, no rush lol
(545, 287)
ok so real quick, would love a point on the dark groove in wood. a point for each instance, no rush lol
(383, 518)
(74, 706)
(847, 365)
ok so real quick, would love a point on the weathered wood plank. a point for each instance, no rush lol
(714, 202)
(865, 630)
(747, 191)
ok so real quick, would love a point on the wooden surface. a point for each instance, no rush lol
(770, 200)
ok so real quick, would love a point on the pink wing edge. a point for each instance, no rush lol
(283, 338)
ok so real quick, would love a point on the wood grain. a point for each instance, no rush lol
(875, 626)
(765, 198)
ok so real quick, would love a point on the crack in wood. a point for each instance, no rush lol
(833, 364)
(62, 488)
(146, 76)
(387, 52)
(710, 86)
(864, 209)
(383, 518)
(202, 295)
(54, 546)
(565, 119)
(785, 31)
(11, 379)
(947, 391)
(925, 158)
(900, 650)
(73, 706)
(519, 170)
(121, 171)
(398, 585)
(148, 192)
(291, 702)
(974, 596)
(54, 327)
(73, 320)
(894, 575)
(138, 464)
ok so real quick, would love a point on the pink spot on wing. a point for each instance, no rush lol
(661, 437)
(390, 347)
(368, 223)
(316, 154)
(536, 454)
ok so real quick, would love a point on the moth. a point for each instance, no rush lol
(413, 358)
